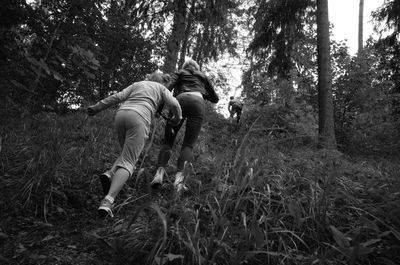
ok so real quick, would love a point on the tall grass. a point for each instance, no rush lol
(260, 205)
(252, 201)
(269, 213)
(46, 156)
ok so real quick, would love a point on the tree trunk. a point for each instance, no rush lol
(197, 51)
(187, 34)
(326, 121)
(177, 35)
(360, 26)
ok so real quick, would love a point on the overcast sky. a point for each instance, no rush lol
(344, 15)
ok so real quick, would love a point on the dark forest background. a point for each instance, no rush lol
(309, 176)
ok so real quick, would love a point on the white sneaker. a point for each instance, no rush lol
(158, 177)
(105, 208)
(179, 178)
(181, 188)
(179, 184)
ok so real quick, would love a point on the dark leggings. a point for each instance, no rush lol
(193, 112)
(238, 112)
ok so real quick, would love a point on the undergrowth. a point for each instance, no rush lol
(260, 193)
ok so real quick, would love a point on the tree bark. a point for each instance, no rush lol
(187, 34)
(360, 26)
(177, 35)
(326, 121)
(197, 49)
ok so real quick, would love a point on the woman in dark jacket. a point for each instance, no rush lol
(191, 88)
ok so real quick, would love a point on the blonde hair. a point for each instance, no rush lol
(190, 64)
(166, 78)
(156, 76)
(159, 77)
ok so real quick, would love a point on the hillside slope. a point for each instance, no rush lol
(260, 193)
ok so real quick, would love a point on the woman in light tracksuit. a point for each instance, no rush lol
(132, 121)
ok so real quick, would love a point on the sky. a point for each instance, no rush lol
(344, 15)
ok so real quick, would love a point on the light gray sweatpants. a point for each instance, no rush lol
(132, 131)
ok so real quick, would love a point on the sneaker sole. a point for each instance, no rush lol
(105, 183)
(183, 190)
(103, 212)
(155, 184)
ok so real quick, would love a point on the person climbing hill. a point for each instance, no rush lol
(191, 88)
(132, 122)
(235, 106)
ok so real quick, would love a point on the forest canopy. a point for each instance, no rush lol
(59, 54)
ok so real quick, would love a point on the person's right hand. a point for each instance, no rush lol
(174, 121)
(90, 111)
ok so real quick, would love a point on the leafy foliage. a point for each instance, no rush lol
(69, 52)
(389, 47)
(363, 103)
(214, 31)
(278, 26)
(57, 54)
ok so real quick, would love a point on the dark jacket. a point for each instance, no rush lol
(192, 81)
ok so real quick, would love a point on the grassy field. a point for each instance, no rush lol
(257, 196)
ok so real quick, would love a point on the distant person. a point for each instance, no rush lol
(132, 121)
(191, 88)
(235, 106)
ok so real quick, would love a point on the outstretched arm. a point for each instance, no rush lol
(110, 101)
